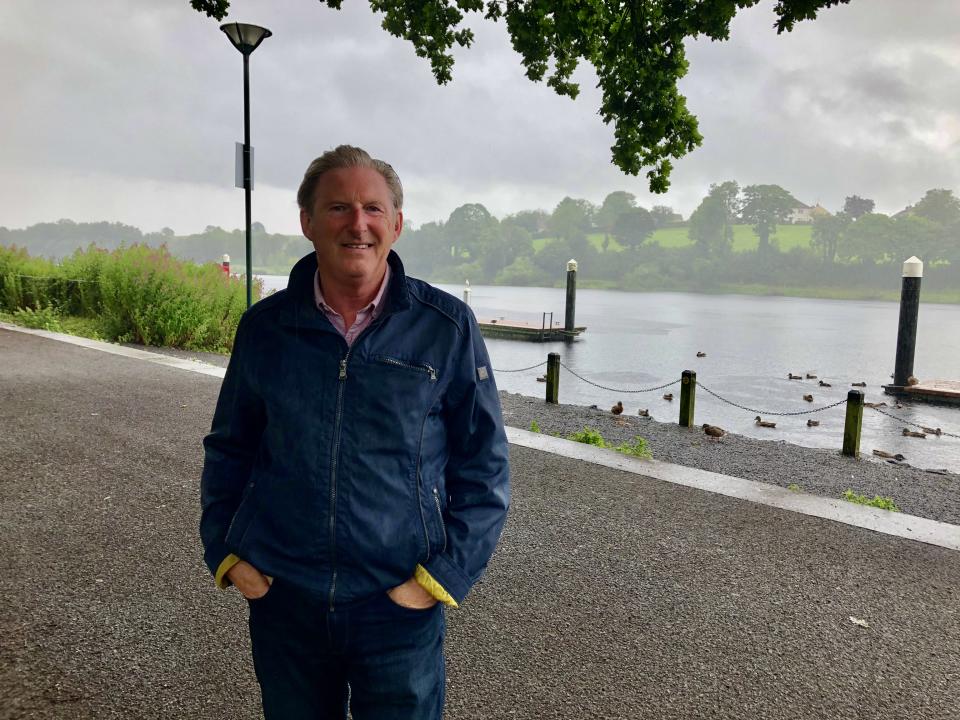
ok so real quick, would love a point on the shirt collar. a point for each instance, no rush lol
(376, 305)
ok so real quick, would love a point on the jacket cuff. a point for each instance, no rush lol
(448, 576)
(427, 582)
(220, 577)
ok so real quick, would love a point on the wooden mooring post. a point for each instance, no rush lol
(688, 395)
(570, 310)
(553, 378)
(853, 424)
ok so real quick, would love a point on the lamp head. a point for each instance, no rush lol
(245, 38)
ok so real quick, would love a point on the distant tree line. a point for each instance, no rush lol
(618, 244)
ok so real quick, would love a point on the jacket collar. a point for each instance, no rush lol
(303, 310)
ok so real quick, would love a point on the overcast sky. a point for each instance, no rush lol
(128, 110)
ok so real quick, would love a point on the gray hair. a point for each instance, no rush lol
(347, 156)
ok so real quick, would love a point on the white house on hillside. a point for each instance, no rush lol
(806, 213)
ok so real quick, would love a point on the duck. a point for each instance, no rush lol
(808, 398)
(542, 378)
(643, 412)
(668, 397)
(791, 376)
(700, 353)
(858, 384)
(764, 423)
(875, 405)
(910, 433)
(813, 423)
(618, 408)
(912, 381)
(825, 384)
(932, 431)
(811, 376)
(714, 431)
(888, 456)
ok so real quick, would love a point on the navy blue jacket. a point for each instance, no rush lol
(342, 469)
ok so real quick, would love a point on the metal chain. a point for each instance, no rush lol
(522, 369)
(909, 422)
(771, 412)
(619, 390)
(51, 277)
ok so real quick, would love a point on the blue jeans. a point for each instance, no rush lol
(306, 657)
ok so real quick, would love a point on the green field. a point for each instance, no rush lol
(787, 238)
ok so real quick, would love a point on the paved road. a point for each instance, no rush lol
(611, 596)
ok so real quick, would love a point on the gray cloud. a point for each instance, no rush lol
(143, 95)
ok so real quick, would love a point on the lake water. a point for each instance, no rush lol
(640, 340)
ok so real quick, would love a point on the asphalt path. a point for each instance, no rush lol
(610, 596)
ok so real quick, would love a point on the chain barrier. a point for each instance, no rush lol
(619, 390)
(771, 412)
(910, 422)
(532, 367)
(725, 400)
(51, 277)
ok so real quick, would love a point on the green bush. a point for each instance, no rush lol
(150, 297)
(39, 318)
(81, 272)
(24, 281)
(136, 294)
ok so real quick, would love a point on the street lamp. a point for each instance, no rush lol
(246, 38)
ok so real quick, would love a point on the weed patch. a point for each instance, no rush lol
(590, 436)
(884, 503)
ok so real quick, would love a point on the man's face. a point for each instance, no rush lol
(352, 225)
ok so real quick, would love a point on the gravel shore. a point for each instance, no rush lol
(816, 471)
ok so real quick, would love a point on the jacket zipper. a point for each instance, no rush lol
(341, 378)
(335, 456)
(421, 368)
(436, 499)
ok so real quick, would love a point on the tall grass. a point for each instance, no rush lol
(137, 294)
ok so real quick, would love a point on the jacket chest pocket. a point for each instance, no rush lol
(428, 372)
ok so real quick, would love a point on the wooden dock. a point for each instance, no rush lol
(520, 330)
(945, 392)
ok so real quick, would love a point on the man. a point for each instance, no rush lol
(355, 476)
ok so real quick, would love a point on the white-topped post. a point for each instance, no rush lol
(571, 306)
(466, 292)
(909, 315)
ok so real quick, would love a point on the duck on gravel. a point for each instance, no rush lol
(618, 408)
(714, 431)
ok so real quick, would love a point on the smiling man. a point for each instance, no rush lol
(355, 477)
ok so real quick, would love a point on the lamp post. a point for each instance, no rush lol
(246, 38)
